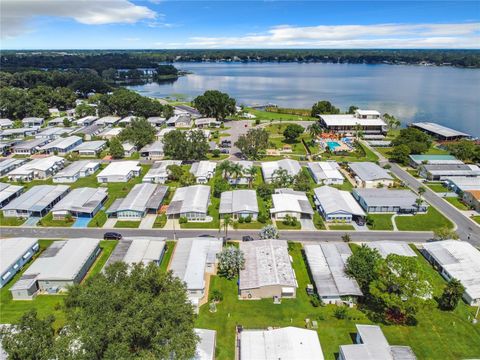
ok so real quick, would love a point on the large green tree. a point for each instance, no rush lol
(214, 103)
(362, 265)
(417, 141)
(116, 149)
(452, 293)
(465, 150)
(183, 145)
(293, 131)
(253, 143)
(139, 133)
(324, 107)
(400, 154)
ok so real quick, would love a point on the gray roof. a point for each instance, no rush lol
(267, 263)
(465, 183)
(138, 250)
(142, 197)
(30, 144)
(89, 130)
(159, 169)
(438, 129)
(10, 163)
(191, 257)
(54, 131)
(206, 346)
(37, 198)
(75, 167)
(62, 143)
(405, 199)
(91, 145)
(238, 201)
(333, 200)
(84, 200)
(292, 166)
(156, 146)
(327, 265)
(375, 346)
(203, 168)
(452, 169)
(38, 164)
(12, 249)
(324, 170)
(387, 247)
(193, 198)
(63, 260)
(7, 190)
(369, 171)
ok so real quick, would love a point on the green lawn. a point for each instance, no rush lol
(10, 221)
(318, 221)
(213, 212)
(160, 221)
(248, 226)
(381, 222)
(437, 187)
(267, 115)
(455, 201)
(99, 219)
(170, 245)
(127, 224)
(107, 247)
(423, 222)
(281, 226)
(427, 338)
(476, 219)
(341, 227)
(48, 221)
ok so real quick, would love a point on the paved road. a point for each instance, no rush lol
(53, 233)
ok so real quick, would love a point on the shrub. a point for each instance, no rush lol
(215, 153)
(248, 219)
(183, 220)
(262, 218)
(257, 121)
(316, 301)
(340, 312)
(241, 220)
(216, 295)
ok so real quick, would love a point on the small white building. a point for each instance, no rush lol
(119, 171)
(76, 170)
(40, 168)
(61, 145)
(203, 170)
(239, 204)
(90, 148)
(268, 168)
(370, 175)
(5, 124)
(289, 343)
(290, 202)
(159, 172)
(86, 121)
(14, 254)
(18, 132)
(326, 172)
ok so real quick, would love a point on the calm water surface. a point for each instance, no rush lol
(445, 95)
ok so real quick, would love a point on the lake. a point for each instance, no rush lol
(446, 95)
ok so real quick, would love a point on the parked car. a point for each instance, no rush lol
(112, 236)
(247, 238)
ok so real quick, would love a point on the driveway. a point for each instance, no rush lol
(147, 221)
(110, 223)
(307, 224)
(31, 221)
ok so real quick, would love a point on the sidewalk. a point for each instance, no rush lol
(110, 223)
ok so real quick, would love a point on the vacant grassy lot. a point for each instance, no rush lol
(427, 338)
(127, 224)
(10, 221)
(455, 201)
(48, 221)
(266, 115)
(381, 222)
(423, 222)
(476, 219)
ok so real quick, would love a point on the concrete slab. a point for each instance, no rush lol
(110, 223)
(147, 221)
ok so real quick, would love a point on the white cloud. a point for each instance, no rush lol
(16, 14)
(459, 35)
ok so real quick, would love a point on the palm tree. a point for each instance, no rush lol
(251, 173)
(236, 171)
(421, 190)
(315, 130)
(225, 167)
(418, 203)
(227, 221)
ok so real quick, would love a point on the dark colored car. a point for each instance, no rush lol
(247, 238)
(112, 236)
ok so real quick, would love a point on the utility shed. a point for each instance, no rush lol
(138, 250)
(206, 346)
(81, 202)
(387, 247)
(192, 260)
(383, 200)
(142, 199)
(62, 264)
(239, 203)
(327, 266)
(268, 168)
(191, 202)
(370, 175)
(289, 343)
(371, 344)
(325, 172)
(119, 171)
(159, 172)
(8, 192)
(35, 202)
(76, 170)
(460, 260)
(268, 271)
(14, 253)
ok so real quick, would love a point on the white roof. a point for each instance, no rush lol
(76, 167)
(7, 163)
(333, 201)
(206, 346)
(460, 260)
(465, 183)
(191, 257)
(144, 251)
(438, 129)
(164, 131)
(159, 169)
(350, 120)
(39, 164)
(292, 166)
(63, 260)
(203, 168)
(325, 170)
(367, 112)
(127, 146)
(289, 343)
(88, 119)
(84, 200)
(156, 146)
(107, 120)
(387, 247)
(369, 171)
(238, 201)
(91, 145)
(52, 131)
(37, 198)
(11, 249)
(5, 122)
(142, 197)
(110, 131)
(327, 264)
(7, 190)
(267, 263)
(193, 198)
(62, 143)
(120, 168)
(287, 200)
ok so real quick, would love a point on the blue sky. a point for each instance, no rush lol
(130, 24)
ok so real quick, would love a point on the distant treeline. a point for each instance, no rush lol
(101, 60)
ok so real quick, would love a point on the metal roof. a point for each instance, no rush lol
(267, 263)
(386, 247)
(159, 169)
(137, 250)
(325, 170)
(238, 201)
(62, 143)
(29, 144)
(12, 249)
(367, 112)
(84, 200)
(191, 257)
(108, 120)
(206, 346)
(37, 198)
(437, 159)
(465, 183)
(52, 131)
(438, 129)
(63, 260)
(10, 162)
(269, 167)
(109, 131)
(369, 171)
(203, 168)
(452, 169)
(289, 343)
(76, 167)
(287, 200)
(39, 164)
(327, 265)
(460, 260)
(333, 201)
(120, 168)
(142, 197)
(405, 199)
(156, 146)
(350, 120)
(91, 145)
(7, 190)
(193, 198)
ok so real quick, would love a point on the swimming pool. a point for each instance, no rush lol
(332, 145)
